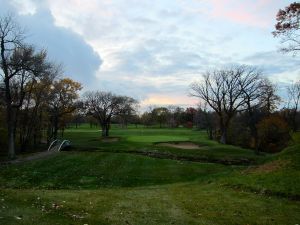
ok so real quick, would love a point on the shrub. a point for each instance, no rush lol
(273, 134)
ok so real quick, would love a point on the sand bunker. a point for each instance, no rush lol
(181, 145)
(110, 139)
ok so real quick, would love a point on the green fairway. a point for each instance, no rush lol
(120, 182)
(146, 139)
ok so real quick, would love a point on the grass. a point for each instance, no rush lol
(110, 183)
(280, 175)
(145, 139)
(91, 170)
(168, 204)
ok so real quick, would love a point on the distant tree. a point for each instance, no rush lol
(104, 105)
(135, 119)
(146, 119)
(294, 99)
(62, 101)
(175, 116)
(91, 120)
(128, 111)
(268, 100)
(287, 27)
(205, 119)
(78, 115)
(189, 116)
(224, 92)
(160, 115)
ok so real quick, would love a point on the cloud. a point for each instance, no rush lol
(65, 47)
(26, 7)
(256, 13)
(165, 100)
(152, 50)
(280, 68)
(146, 48)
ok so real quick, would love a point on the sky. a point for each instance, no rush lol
(153, 50)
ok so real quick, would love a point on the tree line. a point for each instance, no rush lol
(237, 105)
(242, 108)
(37, 100)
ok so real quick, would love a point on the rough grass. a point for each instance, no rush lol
(191, 203)
(279, 176)
(91, 170)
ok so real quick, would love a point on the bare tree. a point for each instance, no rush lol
(294, 99)
(127, 110)
(34, 107)
(252, 93)
(104, 105)
(206, 120)
(160, 115)
(19, 64)
(224, 91)
(268, 99)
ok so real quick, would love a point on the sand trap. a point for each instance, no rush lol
(181, 145)
(110, 139)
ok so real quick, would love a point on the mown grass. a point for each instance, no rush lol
(145, 140)
(108, 183)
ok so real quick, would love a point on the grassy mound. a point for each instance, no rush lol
(278, 176)
(90, 170)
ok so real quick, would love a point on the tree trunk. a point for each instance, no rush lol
(223, 139)
(11, 132)
(210, 133)
(295, 127)
(11, 122)
(103, 127)
(107, 127)
(223, 127)
(62, 132)
(55, 127)
(107, 130)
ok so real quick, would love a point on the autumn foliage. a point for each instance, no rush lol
(273, 134)
(287, 27)
(287, 19)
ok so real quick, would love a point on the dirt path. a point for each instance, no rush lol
(34, 156)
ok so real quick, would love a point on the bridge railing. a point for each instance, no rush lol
(58, 144)
(52, 143)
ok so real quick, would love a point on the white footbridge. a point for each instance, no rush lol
(57, 145)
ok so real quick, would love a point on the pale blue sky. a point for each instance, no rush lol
(153, 49)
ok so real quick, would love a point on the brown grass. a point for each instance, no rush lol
(268, 167)
(110, 139)
(181, 145)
